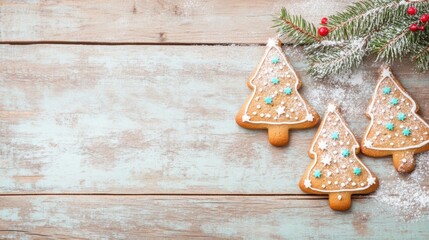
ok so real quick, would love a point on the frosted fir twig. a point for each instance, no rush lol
(335, 59)
(383, 24)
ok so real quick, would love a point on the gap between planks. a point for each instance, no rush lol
(128, 43)
(187, 195)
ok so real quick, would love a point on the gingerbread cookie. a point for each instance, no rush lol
(275, 103)
(395, 128)
(336, 170)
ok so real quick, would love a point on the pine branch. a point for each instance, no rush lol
(422, 59)
(326, 59)
(380, 27)
(364, 17)
(420, 53)
(393, 42)
(296, 28)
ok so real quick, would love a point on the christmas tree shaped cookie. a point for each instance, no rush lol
(395, 128)
(336, 170)
(275, 103)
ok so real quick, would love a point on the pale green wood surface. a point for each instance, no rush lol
(160, 217)
(150, 119)
(139, 141)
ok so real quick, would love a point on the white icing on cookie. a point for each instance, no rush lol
(411, 121)
(371, 181)
(245, 118)
(331, 107)
(307, 183)
(339, 162)
(309, 117)
(367, 143)
(322, 145)
(266, 80)
(280, 110)
(326, 160)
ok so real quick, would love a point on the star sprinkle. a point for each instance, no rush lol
(345, 152)
(309, 117)
(406, 132)
(371, 180)
(245, 118)
(386, 90)
(268, 100)
(326, 160)
(367, 144)
(272, 42)
(322, 145)
(394, 101)
(280, 110)
(288, 90)
(386, 73)
(317, 173)
(335, 135)
(331, 108)
(390, 126)
(275, 60)
(402, 116)
(307, 183)
(275, 80)
(357, 171)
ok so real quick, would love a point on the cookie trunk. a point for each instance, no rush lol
(404, 161)
(278, 135)
(340, 201)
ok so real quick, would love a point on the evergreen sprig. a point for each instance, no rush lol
(363, 17)
(422, 59)
(379, 27)
(296, 28)
(393, 42)
(326, 57)
(420, 53)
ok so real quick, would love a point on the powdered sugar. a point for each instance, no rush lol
(327, 43)
(351, 91)
(403, 193)
(356, 43)
(406, 194)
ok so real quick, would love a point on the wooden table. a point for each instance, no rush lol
(117, 122)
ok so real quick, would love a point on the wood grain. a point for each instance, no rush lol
(144, 135)
(96, 217)
(158, 119)
(146, 21)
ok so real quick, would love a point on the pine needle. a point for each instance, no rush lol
(296, 28)
(379, 27)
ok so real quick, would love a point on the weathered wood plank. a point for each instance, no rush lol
(146, 21)
(158, 119)
(108, 217)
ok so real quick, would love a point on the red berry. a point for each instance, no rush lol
(324, 21)
(323, 31)
(414, 27)
(412, 10)
(422, 28)
(424, 18)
